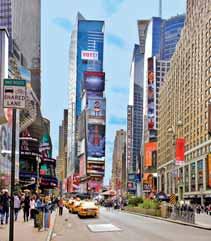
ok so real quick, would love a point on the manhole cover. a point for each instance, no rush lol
(103, 228)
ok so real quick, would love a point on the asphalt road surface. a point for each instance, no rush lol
(133, 228)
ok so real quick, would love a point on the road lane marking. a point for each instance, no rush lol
(103, 228)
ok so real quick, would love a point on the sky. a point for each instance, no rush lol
(121, 33)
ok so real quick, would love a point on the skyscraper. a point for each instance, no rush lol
(158, 38)
(86, 110)
(135, 113)
(185, 113)
(22, 20)
(118, 180)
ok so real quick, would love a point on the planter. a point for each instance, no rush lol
(152, 212)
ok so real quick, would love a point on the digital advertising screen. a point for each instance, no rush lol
(97, 107)
(96, 141)
(94, 81)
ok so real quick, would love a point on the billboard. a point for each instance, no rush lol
(96, 141)
(147, 182)
(209, 171)
(180, 151)
(150, 154)
(97, 108)
(209, 118)
(95, 169)
(89, 55)
(4, 50)
(151, 98)
(82, 168)
(94, 81)
(129, 138)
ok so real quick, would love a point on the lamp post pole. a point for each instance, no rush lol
(11, 228)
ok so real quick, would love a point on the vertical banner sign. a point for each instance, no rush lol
(209, 170)
(209, 118)
(180, 151)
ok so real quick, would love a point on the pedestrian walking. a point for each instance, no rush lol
(61, 205)
(17, 206)
(32, 207)
(5, 203)
(26, 208)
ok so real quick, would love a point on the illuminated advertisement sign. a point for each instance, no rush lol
(97, 108)
(82, 168)
(129, 138)
(151, 99)
(95, 169)
(180, 151)
(209, 170)
(150, 154)
(4, 50)
(89, 55)
(94, 81)
(147, 182)
(96, 141)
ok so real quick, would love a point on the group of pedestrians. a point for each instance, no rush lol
(33, 207)
(203, 209)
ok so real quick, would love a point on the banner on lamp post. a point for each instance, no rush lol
(180, 151)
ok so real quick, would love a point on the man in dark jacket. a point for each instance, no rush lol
(26, 207)
(4, 203)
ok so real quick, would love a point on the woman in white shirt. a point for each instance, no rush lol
(17, 205)
(32, 208)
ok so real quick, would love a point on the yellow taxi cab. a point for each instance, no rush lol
(88, 209)
(74, 206)
(69, 204)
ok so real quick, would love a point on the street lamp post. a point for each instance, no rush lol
(172, 130)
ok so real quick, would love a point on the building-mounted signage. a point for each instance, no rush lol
(89, 55)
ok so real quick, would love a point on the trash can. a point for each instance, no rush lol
(164, 210)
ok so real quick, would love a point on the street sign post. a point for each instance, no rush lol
(14, 92)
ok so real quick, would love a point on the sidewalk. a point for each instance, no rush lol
(203, 220)
(25, 231)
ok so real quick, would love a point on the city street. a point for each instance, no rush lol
(134, 228)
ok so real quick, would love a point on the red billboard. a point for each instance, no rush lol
(180, 151)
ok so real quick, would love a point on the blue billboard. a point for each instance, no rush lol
(96, 141)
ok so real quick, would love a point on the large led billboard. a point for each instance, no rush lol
(151, 98)
(96, 141)
(94, 81)
(96, 107)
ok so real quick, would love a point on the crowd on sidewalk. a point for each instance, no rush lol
(34, 207)
(203, 209)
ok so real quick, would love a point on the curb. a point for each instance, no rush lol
(50, 233)
(170, 220)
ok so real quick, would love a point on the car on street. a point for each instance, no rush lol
(88, 209)
(74, 206)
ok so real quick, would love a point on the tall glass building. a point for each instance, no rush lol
(134, 116)
(158, 38)
(136, 102)
(171, 31)
(86, 56)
